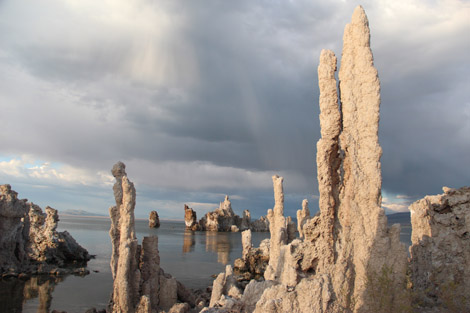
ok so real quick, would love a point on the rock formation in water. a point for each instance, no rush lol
(224, 219)
(29, 240)
(440, 251)
(190, 219)
(140, 285)
(154, 220)
(261, 224)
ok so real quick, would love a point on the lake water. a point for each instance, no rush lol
(190, 257)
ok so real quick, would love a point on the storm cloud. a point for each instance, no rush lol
(202, 99)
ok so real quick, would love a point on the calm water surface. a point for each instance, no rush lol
(191, 257)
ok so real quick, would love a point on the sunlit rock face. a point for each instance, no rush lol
(136, 284)
(349, 239)
(190, 219)
(440, 251)
(29, 240)
(139, 285)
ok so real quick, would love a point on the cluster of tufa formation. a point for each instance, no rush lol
(154, 220)
(223, 219)
(349, 240)
(29, 240)
(140, 285)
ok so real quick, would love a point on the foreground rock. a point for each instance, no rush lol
(140, 285)
(348, 244)
(29, 240)
(350, 241)
(154, 220)
(440, 251)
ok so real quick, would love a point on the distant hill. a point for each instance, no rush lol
(403, 218)
(80, 213)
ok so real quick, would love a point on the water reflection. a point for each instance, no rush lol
(219, 243)
(189, 241)
(14, 293)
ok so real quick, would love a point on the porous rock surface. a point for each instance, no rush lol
(140, 285)
(302, 217)
(440, 251)
(29, 240)
(349, 240)
(154, 220)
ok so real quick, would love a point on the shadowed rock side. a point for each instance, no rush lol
(140, 285)
(440, 251)
(29, 240)
(154, 220)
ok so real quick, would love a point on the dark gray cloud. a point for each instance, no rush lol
(216, 98)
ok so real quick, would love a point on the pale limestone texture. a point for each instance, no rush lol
(278, 230)
(302, 216)
(350, 238)
(225, 284)
(440, 251)
(154, 220)
(140, 285)
(29, 240)
(310, 295)
(246, 243)
(253, 292)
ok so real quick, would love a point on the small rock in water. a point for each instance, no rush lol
(154, 220)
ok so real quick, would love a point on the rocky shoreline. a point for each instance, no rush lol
(30, 243)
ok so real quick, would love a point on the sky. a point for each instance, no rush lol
(202, 99)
